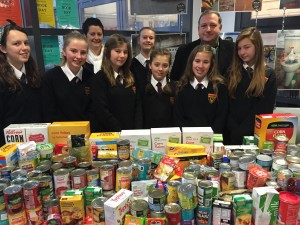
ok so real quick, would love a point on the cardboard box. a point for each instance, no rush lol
(222, 211)
(8, 155)
(117, 206)
(37, 132)
(137, 138)
(161, 136)
(72, 209)
(242, 209)
(199, 136)
(268, 126)
(59, 131)
(90, 193)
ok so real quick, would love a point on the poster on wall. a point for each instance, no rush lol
(290, 4)
(231, 5)
(67, 14)
(51, 51)
(10, 9)
(45, 13)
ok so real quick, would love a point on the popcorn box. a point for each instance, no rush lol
(72, 209)
(37, 132)
(161, 136)
(137, 138)
(8, 154)
(117, 206)
(199, 136)
(59, 131)
(268, 126)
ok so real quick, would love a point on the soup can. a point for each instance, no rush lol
(5, 180)
(98, 210)
(156, 199)
(32, 197)
(123, 177)
(51, 206)
(69, 162)
(107, 177)
(45, 169)
(93, 178)
(187, 194)
(123, 149)
(18, 173)
(58, 158)
(78, 178)
(46, 162)
(46, 187)
(14, 201)
(172, 191)
(62, 181)
(227, 180)
(173, 213)
(264, 161)
(216, 159)
(84, 165)
(280, 143)
(34, 215)
(205, 189)
(46, 150)
(6, 171)
(139, 208)
(35, 175)
(19, 181)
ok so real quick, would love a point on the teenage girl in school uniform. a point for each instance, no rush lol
(202, 99)
(251, 86)
(66, 90)
(116, 105)
(20, 82)
(158, 99)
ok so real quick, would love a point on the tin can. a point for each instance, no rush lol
(139, 208)
(56, 166)
(51, 206)
(212, 175)
(172, 191)
(3, 218)
(216, 189)
(144, 166)
(187, 194)
(293, 150)
(123, 177)
(123, 149)
(62, 181)
(14, 201)
(17, 218)
(189, 177)
(46, 150)
(195, 167)
(98, 210)
(69, 162)
(295, 169)
(205, 193)
(35, 175)
(32, 197)
(2, 202)
(266, 152)
(238, 152)
(240, 178)
(227, 180)
(187, 215)
(46, 162)
(6, 171)
(282, 178)
(45, 169)
(157, 214)
(268, 145)
(34, 215)
(292, 159)
(19, 181)
(173, 213)
(156, 199)
(18, 173)
(78, 178)
(54, 219)
(280, 143)
(125, 163)
(224, 167)
(46, 187)
(264, 161)
(278, 163)
(58, 158)
(246, 161)
(5, 180)
(216, 159)
(203, 215)
(93, 178)
(108, 194)
(107, 177)
(30, 162)
(135, 172)
(84, 165)
(97, 164)
(278, 154)
(273, 184)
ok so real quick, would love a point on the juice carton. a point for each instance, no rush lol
(72, 209)
(8, 155)
(117, 206)
(137, 138)
(161, 136)
(242, 209)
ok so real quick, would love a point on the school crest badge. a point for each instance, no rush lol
(87, 90)
(212, 98)
(134, 89)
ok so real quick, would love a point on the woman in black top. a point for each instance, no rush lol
(20, 82)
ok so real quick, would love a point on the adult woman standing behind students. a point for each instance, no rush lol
(251, 86)
(202, 99)
(158, 99)
(140, 64)
(116, 105)
(66, 90)
(20, 82)
(94, 31)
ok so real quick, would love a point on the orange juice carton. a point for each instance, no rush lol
(242, 209)
(161, 136)
(8, 154)
(59, 131)
(199, 136)
(273, 128)
(37, 132)
(116, 207)
(72, 209)
(138, 138)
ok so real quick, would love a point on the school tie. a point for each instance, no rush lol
(159, 89)
(199, 86)
(23, 78)
(119, 80)
(249, 70)
(75, 80)
(147, 62)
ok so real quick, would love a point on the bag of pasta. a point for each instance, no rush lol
(79, 147)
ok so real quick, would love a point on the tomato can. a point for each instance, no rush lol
(54, 219)
(227, 180)
(280, 143)
(14, 201)
(98, 210)
(156, 199)
(17, 218)
(107, 177)
(257, 177)
(69, 162)
(187, 194)
(123, 178)
(139, 208)
(93, 178)
(173, 213)
(32, 197)
(34, 215)
(46, 187)
(62, 181)
(78, 178)
(205, 189)
(123, 149)
(172, 191)
(18, 173)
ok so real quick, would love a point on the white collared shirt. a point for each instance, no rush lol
(245, 65)
(70, 75)
(116, 75)
(19, 73)
(96, 60)
(154, 82)
(141, 59)
(204, 82)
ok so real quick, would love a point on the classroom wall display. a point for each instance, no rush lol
(46, 13)
(67, 14)
(10, 9)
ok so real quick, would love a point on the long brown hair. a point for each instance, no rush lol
(7, 74)
(115, 41)
(257, 83)
(212, 75)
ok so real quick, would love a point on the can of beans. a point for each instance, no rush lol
(93, 178)
(280, 143)
(205, 189)
(173, 213)
(123, 149)
(227, 180)
(14, 201)
(187, 194)
(46, 187)
(62, 181)
(107, 177)
(32, 197)
(139, 208)
(156, 199)
(172, 191)
(203, 215)
(123, 177)
(78, 178)
(18, 173)
(69, 162)
(98, 210)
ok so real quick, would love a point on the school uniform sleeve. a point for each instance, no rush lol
(138, 114)
(2, 110)
(222, 109)
(179, 119)
(49, 101)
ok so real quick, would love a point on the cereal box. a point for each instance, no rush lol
(161, 136)
(117, 206)
(137, 138)
(242, 209)
(37, 132)
(72, 209)
(8, 154)
(268, 126)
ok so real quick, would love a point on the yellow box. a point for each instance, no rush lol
(59, 131)
(185, 150)
(8, 154)
(72, 209)
(105, 140)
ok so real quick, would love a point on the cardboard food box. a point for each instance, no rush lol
(242, 209)
(117, 207)
(59, 131)
(199, 136)
(161, 136)
(222, 211)
(37, 132)
(72, 209)
(137, 138)
(8, 154)
(268, 126)
(265, 205)
(90, 193)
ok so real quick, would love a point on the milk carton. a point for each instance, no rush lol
(117, 206)
(137, 138)
(161, 136)
(265, 206)
(199, 136)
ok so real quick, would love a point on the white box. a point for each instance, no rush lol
(199, 136)
(160, 137)
(37, 132)
(117, 206)
(137, 138)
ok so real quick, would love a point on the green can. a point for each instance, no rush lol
(205, 190)
(187, 195)
(268, 145)
(46, 150)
